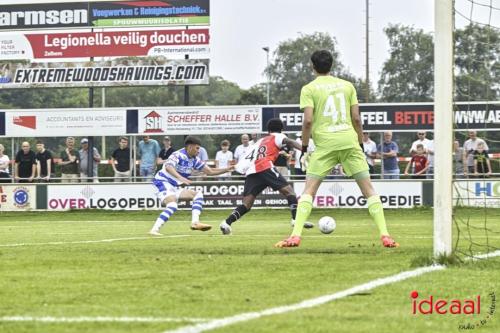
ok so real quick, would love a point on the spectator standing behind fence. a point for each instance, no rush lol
(25, 164)
(282, 161)
(418, 164)
(388, 151)
(84, 161)
(370, 150)
(4, 166)
(223, 159)
(202, 154)
(69, 162)
(428, 150)
(120, 161)
(459, 159)
(44, 162)
(149, 149)
(469, 146)
(242, 150)
(482, 165)
(166, 151)
(298, 154)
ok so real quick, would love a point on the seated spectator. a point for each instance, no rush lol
(459, 160)
(84, 162)
(120, 161)
(223, 159)
(418, 164)
(388, 151)
(44, 162)
(25, 164)
(4, 166)
(482, 165)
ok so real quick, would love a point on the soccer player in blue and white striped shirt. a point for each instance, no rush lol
(173, 175)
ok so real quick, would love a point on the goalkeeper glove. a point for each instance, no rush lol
(304, 158)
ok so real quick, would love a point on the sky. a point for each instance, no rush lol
(240, 28)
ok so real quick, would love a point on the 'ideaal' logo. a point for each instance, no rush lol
(441, 306)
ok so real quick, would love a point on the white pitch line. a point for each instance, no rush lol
(221, 322)
(101, 319)
(111, 240)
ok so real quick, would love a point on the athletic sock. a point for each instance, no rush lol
(292, 203)
(377, 213)
(165, 215)
(303, 211)
(237, 213)
(196, 207)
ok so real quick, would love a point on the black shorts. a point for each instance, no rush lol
(257, 182)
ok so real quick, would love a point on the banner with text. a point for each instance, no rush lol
(17, 197)
(62, 122)
(207, 120)
(169, 43)
(400, 117)
(119, 72)
(142, 196)
(346, 194)
(104, 14)
(477, 193)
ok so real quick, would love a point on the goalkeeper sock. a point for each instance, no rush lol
(303, 212)
(165, 215)
(292, 203)
(237, 213)
(377, 213)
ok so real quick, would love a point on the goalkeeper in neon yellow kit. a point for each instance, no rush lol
(331, 115)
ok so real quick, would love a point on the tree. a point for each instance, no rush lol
(477, 63)
(255, 95)
(408, 74)
(291, 68)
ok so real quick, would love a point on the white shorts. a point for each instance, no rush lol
(165, 189)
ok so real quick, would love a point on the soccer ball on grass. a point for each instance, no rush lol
(327, 224)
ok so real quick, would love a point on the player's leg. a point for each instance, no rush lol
(254, 185)
(321, 163)
(291, 198)
(354, 163)
(171, 207)
(196, 208)
(237, 213)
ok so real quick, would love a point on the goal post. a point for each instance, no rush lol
(443, 126)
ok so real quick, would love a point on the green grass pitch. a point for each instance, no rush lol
(50, 268)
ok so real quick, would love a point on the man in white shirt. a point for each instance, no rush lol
(242, 150)
(223, 159)
(298, 153)
(469, 146)
(370, 150)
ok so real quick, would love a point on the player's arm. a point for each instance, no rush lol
(171, 170)
(306, 127)
(356, 123)
(292, 143)
(216, 171)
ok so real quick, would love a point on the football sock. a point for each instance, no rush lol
(377, 213)
(237, 213)
(292, 203)
(196, 207)
(303, 211)
(165, 215)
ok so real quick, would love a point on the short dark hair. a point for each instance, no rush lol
(39, 142)
(275, 125)
(192, 140)
(124, 138)
(322, 61)
(225, 143)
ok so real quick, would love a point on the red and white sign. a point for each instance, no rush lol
(346, 194)
(105, 44)
(64, 122)
(204, 120)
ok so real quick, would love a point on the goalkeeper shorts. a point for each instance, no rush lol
(323, 160)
